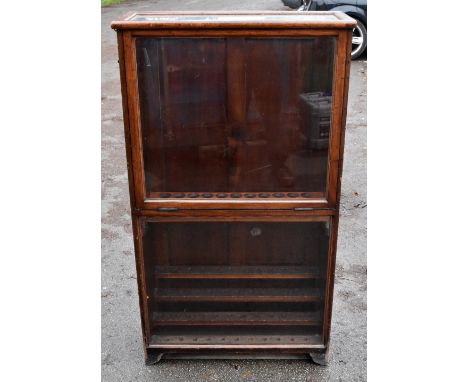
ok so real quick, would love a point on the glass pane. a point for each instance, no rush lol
(236, 282)
(239, 117)
(233, 18)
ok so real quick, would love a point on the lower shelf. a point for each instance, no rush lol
(235, 335)
(232, 341)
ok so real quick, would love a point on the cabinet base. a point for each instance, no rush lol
(155, 357)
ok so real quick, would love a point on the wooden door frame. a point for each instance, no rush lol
(133, 128)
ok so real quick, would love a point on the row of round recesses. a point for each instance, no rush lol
(235, 195)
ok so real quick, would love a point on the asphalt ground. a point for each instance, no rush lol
(122, 349)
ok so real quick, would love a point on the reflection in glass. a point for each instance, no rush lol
(228, 115)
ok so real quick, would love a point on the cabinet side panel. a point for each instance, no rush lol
(126, 118)
(133, 118)
(131, 183)
(344, 60)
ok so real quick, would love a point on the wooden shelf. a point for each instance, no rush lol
(235, 318)
(221, 341)
(237, 272)
(300, 195)
(238, 294)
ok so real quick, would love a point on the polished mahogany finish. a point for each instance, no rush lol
(234, 127)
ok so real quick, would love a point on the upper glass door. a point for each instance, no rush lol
(235, 117)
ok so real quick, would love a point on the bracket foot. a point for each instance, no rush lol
(153, 359)
(320, 358)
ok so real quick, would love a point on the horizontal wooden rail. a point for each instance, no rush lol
(235, 318)
(238, 294)
(237, 272)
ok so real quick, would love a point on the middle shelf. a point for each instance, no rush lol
(237, 272)
(238, 294)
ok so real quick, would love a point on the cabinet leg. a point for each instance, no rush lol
(320, 358)
(153, 359)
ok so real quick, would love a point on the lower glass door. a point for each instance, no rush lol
(235, 283)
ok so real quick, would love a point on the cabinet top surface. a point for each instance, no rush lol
(247, 20)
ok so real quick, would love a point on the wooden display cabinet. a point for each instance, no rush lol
(234, 128)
